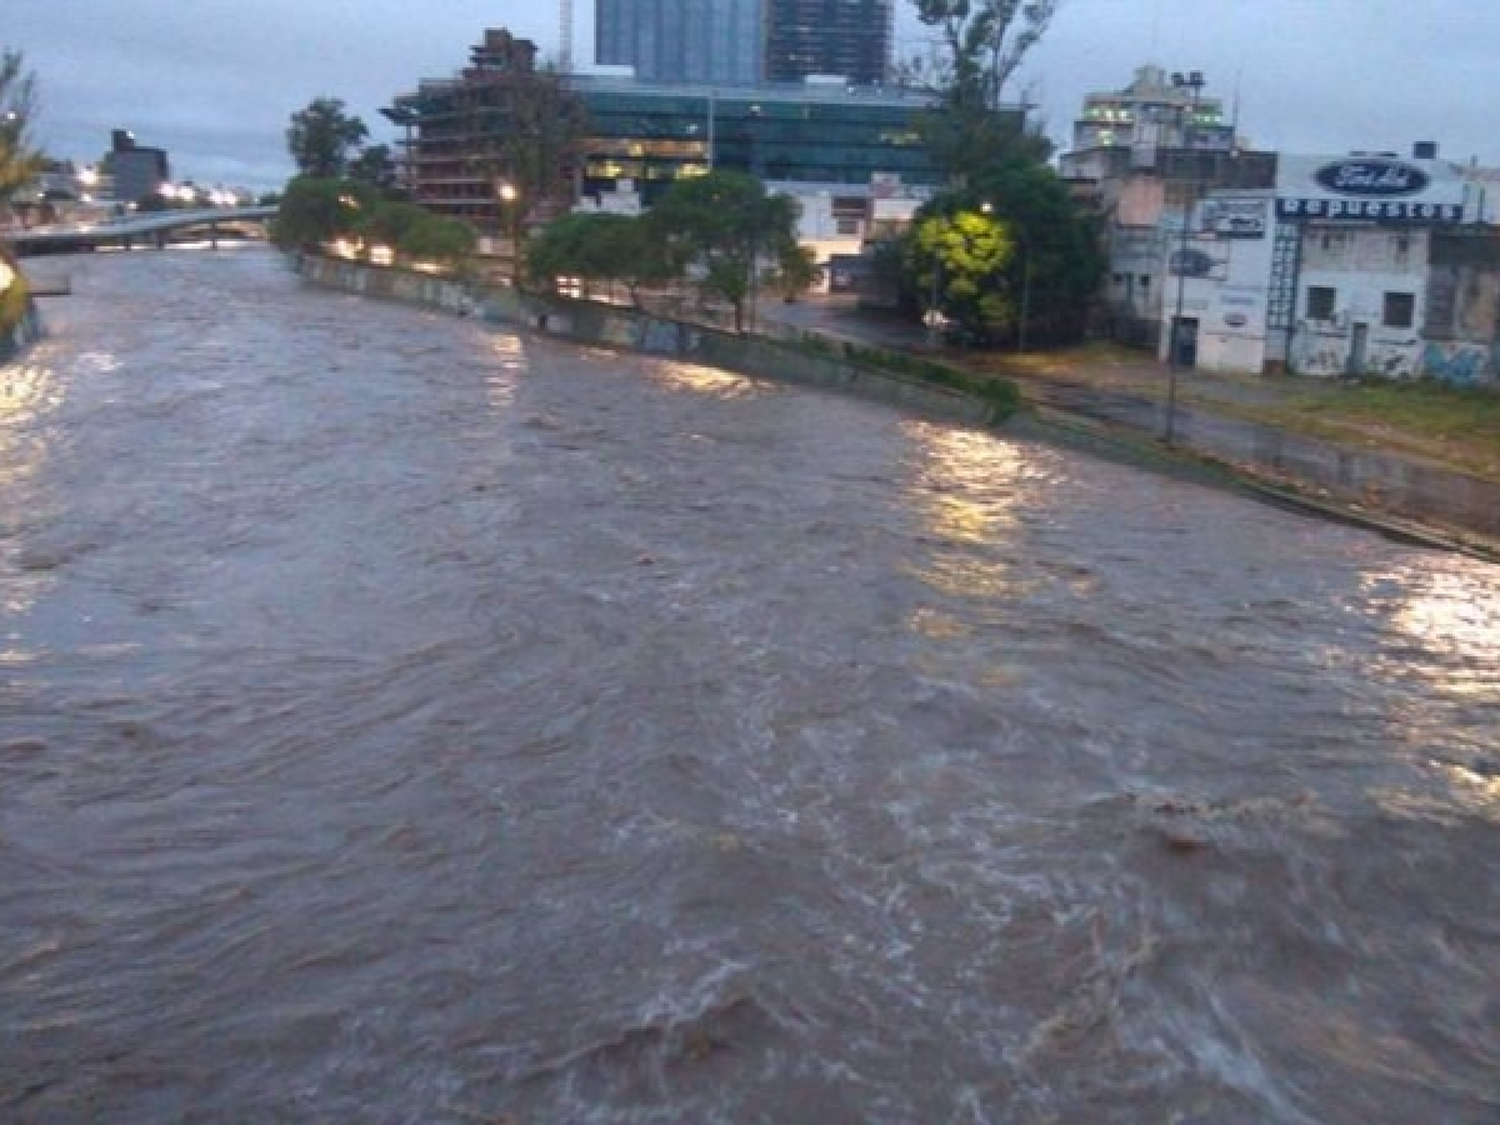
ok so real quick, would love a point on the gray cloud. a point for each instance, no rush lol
(214, 82)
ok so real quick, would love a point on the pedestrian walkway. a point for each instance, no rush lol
(1120, 396)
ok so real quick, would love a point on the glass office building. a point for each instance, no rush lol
(849, 38)
(649, 135)
(638, 137)
(682, 40)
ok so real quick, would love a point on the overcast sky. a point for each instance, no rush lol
(214, 81)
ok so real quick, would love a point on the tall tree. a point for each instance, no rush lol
(600, 247)
(725, 222)
(323, 137)
(960, 255)
(797, 271)
(375, 166)
(983, 43)
(316, 210)
(19, 161)
(530, 125)
(435, 238)
(1008, 256)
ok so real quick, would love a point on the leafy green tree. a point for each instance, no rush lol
(1008, 256)
(1039, 280)
(19, 161)
(1057, 273)
(389, 223)
(315, 211)
(959, 258)
(797, 271)
(723, 223)
(375, 166)
(434, 238)
(601, 247)
(323, 137)
(982, 43)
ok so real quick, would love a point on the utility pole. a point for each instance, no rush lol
(1193, 84)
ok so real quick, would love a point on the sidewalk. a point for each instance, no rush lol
(1121, 397)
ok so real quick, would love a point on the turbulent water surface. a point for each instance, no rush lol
(406, 721)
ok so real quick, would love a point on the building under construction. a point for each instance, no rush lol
(503, 127)
(492, 141)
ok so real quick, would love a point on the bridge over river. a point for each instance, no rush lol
(408, 720)
(153, 228)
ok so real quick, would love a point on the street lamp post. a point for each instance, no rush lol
(934, 316)
(1193, 84)
(510, 199)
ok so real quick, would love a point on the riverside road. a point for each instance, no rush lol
(407, 720)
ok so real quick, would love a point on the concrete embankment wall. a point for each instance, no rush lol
(630, 329)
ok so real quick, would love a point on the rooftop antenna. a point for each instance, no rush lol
(565, 51)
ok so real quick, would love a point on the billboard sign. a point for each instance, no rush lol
(1373, 189)
(1381, 178)
(1228, 217)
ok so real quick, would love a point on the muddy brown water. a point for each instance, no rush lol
(406, 721)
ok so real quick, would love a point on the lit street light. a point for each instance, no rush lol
(510, 198)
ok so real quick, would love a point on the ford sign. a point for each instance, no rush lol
(1379, 178)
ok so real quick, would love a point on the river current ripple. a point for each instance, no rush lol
(406, 721)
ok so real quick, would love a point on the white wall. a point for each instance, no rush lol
(1361, 266)
(1230, 301)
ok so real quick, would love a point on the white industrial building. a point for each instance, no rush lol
(1328, 274)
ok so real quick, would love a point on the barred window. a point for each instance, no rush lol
(1400, 310)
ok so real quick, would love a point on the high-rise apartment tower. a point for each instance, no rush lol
(682, 40)
(850, 38)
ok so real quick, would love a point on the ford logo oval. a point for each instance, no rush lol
(1372, 178)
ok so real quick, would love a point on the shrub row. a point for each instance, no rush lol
(1003, 396)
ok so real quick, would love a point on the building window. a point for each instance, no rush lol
(1145, 281)
(1400, 310)
(1320, 302)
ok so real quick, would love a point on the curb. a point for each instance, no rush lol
(1049, 423)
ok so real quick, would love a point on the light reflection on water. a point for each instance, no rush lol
(966, 485)
(502, 383)
(26, 390)
(1479, 792)
(1456, 618)
(708, 381)
(29, 392)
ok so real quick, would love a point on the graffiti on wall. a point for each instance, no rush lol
(1463, 365)
(658, 336)
(1339, 356)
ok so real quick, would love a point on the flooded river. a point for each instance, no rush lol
(403, 721)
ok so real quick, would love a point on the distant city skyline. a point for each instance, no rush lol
(215, 83)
